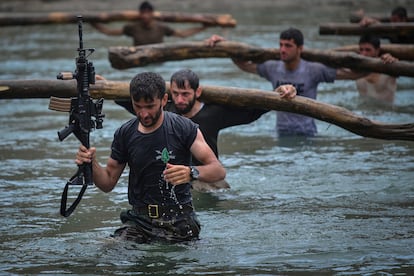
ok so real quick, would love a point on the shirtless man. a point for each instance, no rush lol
(376, 86)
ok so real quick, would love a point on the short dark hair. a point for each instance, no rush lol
(145, 6)
(183, 75)
(371, 39)
(147, 86)
(399, 11)
(294, 34)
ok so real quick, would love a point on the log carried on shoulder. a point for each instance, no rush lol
(233, 96)
(400, 51)
(128, 57)
(356, 17)
(15, 19)
(380, 29)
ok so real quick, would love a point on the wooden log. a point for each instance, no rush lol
(19, 19)
(325, 112)
(356, 17)
(400, 51)
(27, 89)
(221, 20)
(359, 62)
(127, 57)
(222, 95)
(381, 29)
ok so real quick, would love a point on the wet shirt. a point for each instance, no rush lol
(305, 79)
(212, 118)
(143, 35)
(147, 154)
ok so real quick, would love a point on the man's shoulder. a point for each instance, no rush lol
(174, 117)
(271, 63)
(312, 64)
(125, 128)
(377, 78)
(211, 111)
(129, 124)
(159, 25)
(220, 110)
(210, 106)
(178, 123)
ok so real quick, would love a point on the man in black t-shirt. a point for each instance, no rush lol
(185, 93)
(157, 146)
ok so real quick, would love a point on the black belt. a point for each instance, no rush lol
(157, 211)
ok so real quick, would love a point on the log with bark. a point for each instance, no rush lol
(400, 51)
(232, 96)
(380, 29)
(16, 19)
(122, 57)
(356, 17)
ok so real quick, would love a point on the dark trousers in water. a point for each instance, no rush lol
(142, 226)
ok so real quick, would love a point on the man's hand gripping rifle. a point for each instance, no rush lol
(84, 115)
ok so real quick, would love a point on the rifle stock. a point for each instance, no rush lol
(84, 115)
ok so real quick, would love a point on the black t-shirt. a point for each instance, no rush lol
(147, 155)
(212, 118)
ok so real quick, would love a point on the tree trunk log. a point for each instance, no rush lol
(405, 29)
(221, 95)
(28, 89)
(400, 51)
(356, 17)
(12, 19)
(325, 112)
(359, 62)
(128, 57)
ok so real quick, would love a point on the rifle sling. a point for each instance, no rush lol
(63, 203)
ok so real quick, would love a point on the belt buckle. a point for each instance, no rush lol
(153, 211)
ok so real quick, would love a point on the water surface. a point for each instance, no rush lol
(337, 204)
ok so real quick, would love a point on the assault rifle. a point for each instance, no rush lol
(84, 115)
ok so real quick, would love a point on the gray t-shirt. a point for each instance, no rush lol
(305, 79)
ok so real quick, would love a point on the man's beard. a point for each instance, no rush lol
(150, 121)
(186, 108)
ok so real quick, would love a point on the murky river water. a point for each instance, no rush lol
(338, 204)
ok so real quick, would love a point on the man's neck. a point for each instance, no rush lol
(146, 130)
(196, 108)
(292, 65)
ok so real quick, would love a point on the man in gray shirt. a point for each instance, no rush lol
(292, 69)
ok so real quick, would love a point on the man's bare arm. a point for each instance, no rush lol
(108, 31)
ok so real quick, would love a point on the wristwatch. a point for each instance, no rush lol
(194, 173)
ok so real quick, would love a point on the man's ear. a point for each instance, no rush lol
(164, 100)
(198, 92)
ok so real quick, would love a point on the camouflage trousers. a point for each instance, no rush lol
(141, 228)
